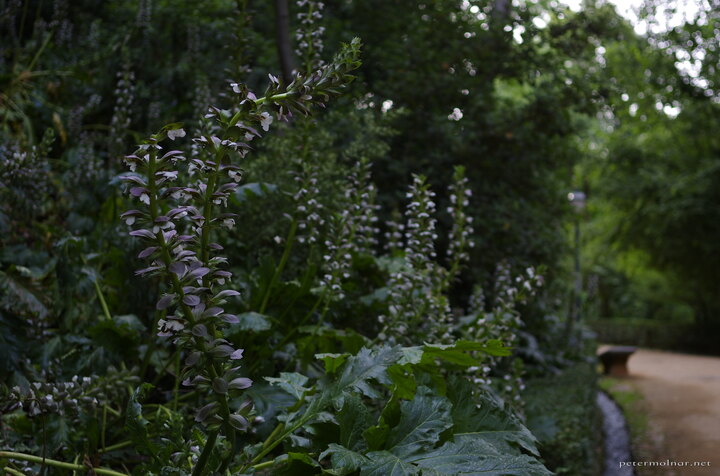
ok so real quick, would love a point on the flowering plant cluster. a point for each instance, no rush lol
(324, 361)
(78, 393)
(501, 320)
(24, 177)
(417, 303)
(177, 220)
(237, 293)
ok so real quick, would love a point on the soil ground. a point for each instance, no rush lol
(681, 398)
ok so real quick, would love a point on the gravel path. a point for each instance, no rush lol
(682, 394)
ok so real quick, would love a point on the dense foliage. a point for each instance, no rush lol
(240, 242)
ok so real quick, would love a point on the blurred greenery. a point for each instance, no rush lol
(532, 98)
(651, 168)
(562, 413)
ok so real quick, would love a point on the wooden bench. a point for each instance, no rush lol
(614, 359)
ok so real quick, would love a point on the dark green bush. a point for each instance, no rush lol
(562, 413)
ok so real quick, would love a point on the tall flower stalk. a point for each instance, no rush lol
(417, 302)
(501, 320)
(462, 230)
(179, 208)
(352, 231)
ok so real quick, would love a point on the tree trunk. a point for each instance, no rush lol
(501, 9)
(282, 27)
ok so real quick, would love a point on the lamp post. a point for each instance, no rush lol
(577, 200)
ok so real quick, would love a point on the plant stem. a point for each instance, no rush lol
(116, 446)
(268, 447)
(202, 460)
(152, 344)
(176, 387)
(39, 51)
(266, 464)
(101, 298)
(104, 426)
(283, 261)
(303, 320)
(57, 464)
(234, 120)
(13, 472)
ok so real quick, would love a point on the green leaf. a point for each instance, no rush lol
(344, 459)
(120, 335)
(332, 361)
(22, 295)
(253, 190)
(251, 321)
(135, 422)
(483, 416)
(295, 464)
(377, 435)
(292, 382)
(404, 381)
(411, 355)
(365, 366)
(354, 418)
(384, 463)
(458, 353)
(422, 419)
(473, 455)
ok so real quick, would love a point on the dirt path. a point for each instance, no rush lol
(682, 398)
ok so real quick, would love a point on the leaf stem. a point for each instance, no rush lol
(57, 464)
(266, 464)
(13, 472)
(101, 298)
(116, 446)
(104, 426)
(202, 460)
(283, 261)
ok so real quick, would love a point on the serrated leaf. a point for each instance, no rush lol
(332, 361)
(483, 416)
(384, 463)
(377, 435)
(295, 464)
(459, 352)
(354, 418)
(292, 382)
(411, 355)
(135, 422)
(473, 455)
(365, 366)
(251, 321)
(254, 189)
(422, 419)
(343, 458)
(23, 294)
(403, 380)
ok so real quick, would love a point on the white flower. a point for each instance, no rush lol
(145, 198)
(235, 175)
(265, 121)
(174, 133)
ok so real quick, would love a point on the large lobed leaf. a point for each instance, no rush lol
(462, 434)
